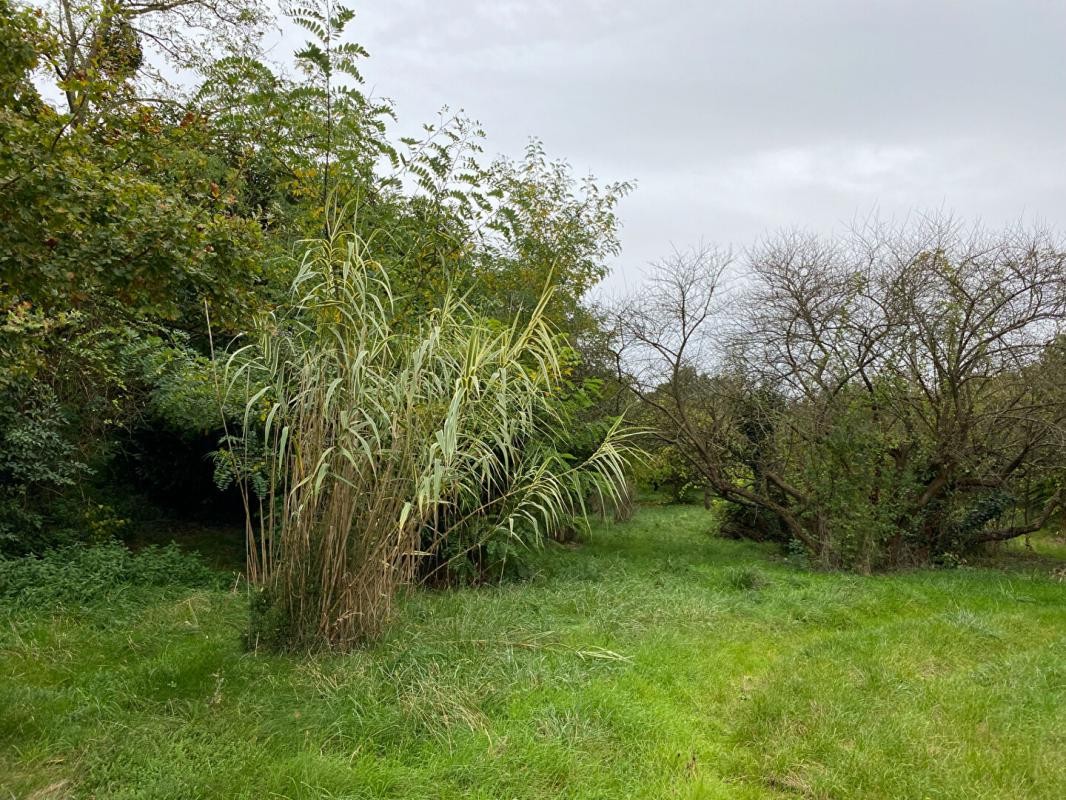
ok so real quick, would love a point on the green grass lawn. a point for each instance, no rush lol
(655, 661)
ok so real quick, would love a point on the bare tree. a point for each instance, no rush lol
(890, 395)
(669, 357)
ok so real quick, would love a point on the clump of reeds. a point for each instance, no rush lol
(366, 435)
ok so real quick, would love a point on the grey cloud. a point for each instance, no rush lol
(738, 116)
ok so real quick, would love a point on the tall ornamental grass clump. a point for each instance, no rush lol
(368, 444)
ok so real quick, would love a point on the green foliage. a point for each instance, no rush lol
(572, 429)
(298, 146)
(20, 35)
(746, 579)
(553, 230)
(849, 475)
(38, 463)
(77, 396)
(115, 234)
(82, 575)
(84, 228)
(753, 522)
(134, 216)
(122, 215)
(667, 470)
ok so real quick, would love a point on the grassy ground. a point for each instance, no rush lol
(654, 662)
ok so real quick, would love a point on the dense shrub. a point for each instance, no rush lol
(38, 462)
(666, 470)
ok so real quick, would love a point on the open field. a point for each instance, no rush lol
(655, 661)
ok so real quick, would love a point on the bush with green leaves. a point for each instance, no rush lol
(666, 471)
(89, 409)
(38, 464)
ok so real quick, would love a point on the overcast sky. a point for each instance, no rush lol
(737, 117)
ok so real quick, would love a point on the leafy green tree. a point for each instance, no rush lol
(115, 229)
